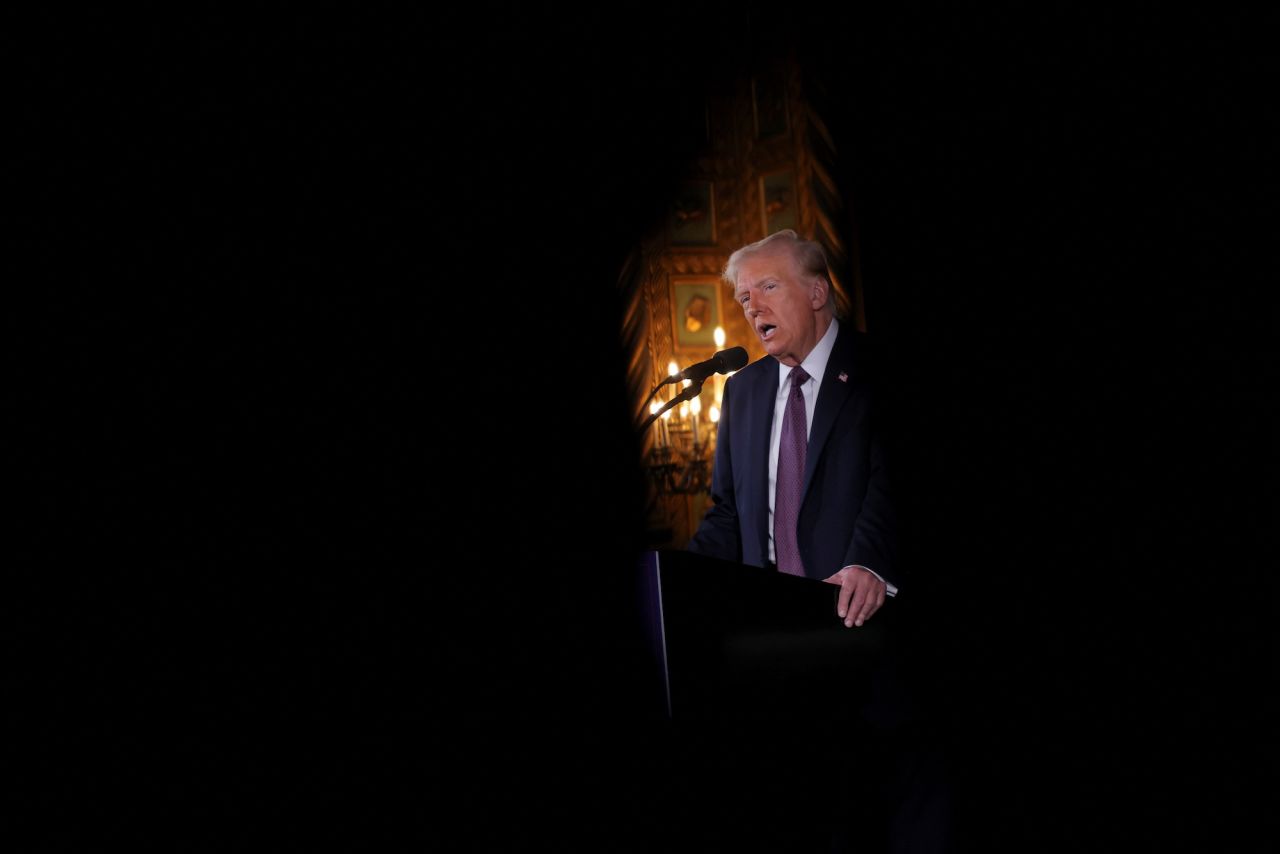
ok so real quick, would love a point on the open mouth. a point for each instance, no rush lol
(766, 330)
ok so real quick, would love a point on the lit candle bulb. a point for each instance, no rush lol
(666, 431)
(714, 414)
(719, 336)
(695, 406)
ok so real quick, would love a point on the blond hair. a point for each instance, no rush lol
(808, 254)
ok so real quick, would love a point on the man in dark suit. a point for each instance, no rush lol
(841, 527)
(801, 484)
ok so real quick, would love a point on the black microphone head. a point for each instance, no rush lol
(733, 359)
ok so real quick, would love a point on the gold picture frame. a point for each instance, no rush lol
(695, 312)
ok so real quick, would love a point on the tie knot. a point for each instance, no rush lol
(798, 377)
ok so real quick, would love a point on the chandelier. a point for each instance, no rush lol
(683, 433)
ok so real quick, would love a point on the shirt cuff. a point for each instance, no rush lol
(888, 588)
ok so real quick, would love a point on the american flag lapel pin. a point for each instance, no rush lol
(844, 378)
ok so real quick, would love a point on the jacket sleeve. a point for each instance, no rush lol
(874, 540)
(719, 535)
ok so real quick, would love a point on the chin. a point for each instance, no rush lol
(776, 351)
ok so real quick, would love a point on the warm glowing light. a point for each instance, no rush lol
(719, 336)
(695, 405)
(684, 410)
(663, 439)
(714, 412)
(672, 369)
(666, 416)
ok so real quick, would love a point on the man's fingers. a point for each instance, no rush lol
(860, 599)
(861, 595)
(846, 595)
(868, 610)
(854, 607)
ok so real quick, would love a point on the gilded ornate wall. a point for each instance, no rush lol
(764, 164)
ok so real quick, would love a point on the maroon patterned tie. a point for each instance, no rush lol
(786, 501)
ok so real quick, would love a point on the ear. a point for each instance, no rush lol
(818, 292)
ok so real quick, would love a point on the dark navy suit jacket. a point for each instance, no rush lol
(846, 516)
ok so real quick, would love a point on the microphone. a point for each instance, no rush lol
(723, 362)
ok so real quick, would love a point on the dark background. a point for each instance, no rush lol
(331, 486)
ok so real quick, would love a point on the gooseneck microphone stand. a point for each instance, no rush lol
(689, 393)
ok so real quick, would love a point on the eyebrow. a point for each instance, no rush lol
(760, 283)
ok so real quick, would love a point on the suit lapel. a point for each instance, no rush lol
(765, 394)
(831, 399)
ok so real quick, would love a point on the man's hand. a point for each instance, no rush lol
(861, 594)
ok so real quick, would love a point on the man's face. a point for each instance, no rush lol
(784, 306)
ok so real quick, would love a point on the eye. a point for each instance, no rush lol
(744, 299)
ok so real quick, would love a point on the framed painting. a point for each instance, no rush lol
(693, 220)
(778, 202)
(695, 310)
